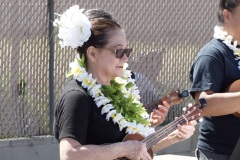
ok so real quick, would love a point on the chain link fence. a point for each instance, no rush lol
(165, 35)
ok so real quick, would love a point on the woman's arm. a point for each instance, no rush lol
(182, 133)
(219, 103)
(70, 149)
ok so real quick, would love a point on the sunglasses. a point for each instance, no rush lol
(119, 52)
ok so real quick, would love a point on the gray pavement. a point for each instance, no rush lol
(176, 156)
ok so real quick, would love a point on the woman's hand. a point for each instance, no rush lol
(185, 131)
(158, 116)
(136, 150)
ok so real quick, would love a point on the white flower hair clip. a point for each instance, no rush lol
(74, 27)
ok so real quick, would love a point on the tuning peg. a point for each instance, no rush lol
(190, 105)
(184, 109)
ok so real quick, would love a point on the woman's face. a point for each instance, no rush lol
(108, 65)
(234, 20)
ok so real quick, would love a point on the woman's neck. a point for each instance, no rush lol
(101, 78)
(231, 31)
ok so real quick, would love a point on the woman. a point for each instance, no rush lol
(215, 68)
(97, 108)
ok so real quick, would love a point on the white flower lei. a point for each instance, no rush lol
(74, 27)
(219, 33)
(79, 73)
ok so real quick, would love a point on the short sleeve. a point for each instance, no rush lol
(72, 116)
(207, 73)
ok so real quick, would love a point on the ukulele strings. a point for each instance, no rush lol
(160, 134)
(163, 132)
(150, 141)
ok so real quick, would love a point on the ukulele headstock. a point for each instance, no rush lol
(194, 112)
(175, 97)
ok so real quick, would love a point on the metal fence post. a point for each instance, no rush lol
(51, 63)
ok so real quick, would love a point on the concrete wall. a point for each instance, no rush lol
(34, 148)
(46, 148)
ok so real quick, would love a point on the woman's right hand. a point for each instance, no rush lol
(136, 150)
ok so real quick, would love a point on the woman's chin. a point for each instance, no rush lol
(119, 74)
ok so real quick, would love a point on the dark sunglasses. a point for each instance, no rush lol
(119, 52)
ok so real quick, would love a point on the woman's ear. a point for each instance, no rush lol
(91, 53)
(226, 15)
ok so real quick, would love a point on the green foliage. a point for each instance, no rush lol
(131, 110)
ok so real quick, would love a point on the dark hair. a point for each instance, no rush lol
(102, 25)
(229, 5)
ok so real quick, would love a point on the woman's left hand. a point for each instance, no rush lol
(186, 131)
(159, 115)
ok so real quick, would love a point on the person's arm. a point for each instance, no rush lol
(70, 149)
(182, 133)
(219, 103)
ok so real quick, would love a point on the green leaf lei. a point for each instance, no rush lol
(119, 100)
(131, 110)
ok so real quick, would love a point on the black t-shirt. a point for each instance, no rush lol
(78, 117)
(215, 68)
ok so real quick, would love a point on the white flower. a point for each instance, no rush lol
(129, 129)
(136, 94)
(95, 91)
(145, 115)
(107, 108)
(131, 80)
(101, 100)
(235, 44)
(125, 65)
(228, 40)
(124, 90)
(219, 33)
(80, 77)
(117, 118)
(74, 27)
(122, 124)
(120, 80)
(147, 131)
(76, 70)
(140, 128)
(88, 82)
(110, 114)
(132, 128)
(127, 73)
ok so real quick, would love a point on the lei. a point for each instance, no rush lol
(119, 101)
(219, 33)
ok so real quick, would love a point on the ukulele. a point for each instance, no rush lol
(175, 97)
(234, 87)
(190, 114)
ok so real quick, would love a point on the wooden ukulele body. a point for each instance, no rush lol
(137, 137)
